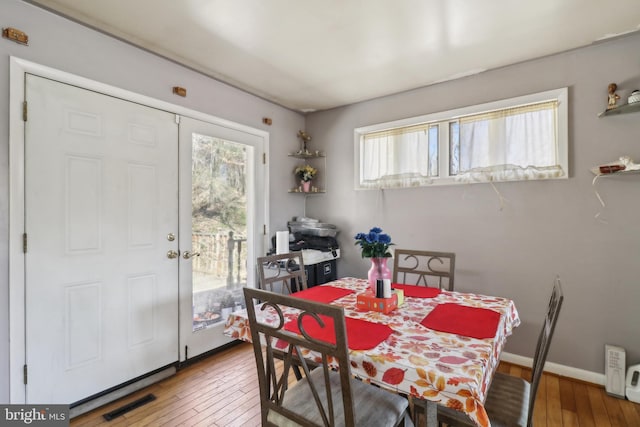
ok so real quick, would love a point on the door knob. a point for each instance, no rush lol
(172, 254)
(187, 254)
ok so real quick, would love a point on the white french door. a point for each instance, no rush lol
(113, 205)
(222, 212)
(101, 197)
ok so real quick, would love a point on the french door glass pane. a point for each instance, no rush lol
(219, 228)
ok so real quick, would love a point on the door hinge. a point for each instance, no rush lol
(186, 352)
(264, 158)
(24, 111)
(24, 374)
(24, 243)
(177, 119)
(264, 229)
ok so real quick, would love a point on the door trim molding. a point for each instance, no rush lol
(17, 69)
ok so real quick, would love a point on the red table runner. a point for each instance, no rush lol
(463, 320)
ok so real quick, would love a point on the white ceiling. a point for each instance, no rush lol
(317, 54)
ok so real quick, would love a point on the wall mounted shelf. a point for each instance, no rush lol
(623, 109)
(318, 160)
(307, 155)
(596, 171)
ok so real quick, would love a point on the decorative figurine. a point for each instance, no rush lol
(305, 138)
(613, 96)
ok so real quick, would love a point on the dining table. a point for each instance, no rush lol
(442, 347)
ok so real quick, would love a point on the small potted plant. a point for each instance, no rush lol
(375, 245)
(305, 173)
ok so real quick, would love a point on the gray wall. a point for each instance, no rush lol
(546, 227)
(62, 44)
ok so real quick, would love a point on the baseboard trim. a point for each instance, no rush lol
(558, 369)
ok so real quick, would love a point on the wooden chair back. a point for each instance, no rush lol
(427, 268)
(270, 337)
(282, 273)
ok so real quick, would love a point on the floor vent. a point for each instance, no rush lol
(129, 407)
(120, 391)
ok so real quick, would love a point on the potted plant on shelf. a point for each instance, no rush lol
(306, 173)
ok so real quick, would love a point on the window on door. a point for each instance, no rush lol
(219, 227)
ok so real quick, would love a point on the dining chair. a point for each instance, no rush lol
(283, 273)
(325, 396)
(428, 268)
(510, 399)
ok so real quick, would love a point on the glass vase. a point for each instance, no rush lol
(306, 186)
(378, 270)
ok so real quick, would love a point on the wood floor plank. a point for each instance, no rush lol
(516, 371)
(598, 408)
(583, 405)
(256, 421)
(567, 398)
(207, 416)
(503, 368)
(245, 407)
(250, 417)
(215, 403)
(631, 413)
(554, 404)
(155, 408)
(222, 391)
(540, 408)
(569, 419)
(173, 421)
(166, 414)
(616, 417)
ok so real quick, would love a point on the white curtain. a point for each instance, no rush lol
(399, 157)
(510, 144)
(515, 143)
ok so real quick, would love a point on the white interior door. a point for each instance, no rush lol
(222, 212)
(101, 197)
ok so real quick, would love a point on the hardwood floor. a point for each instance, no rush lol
(222, 390)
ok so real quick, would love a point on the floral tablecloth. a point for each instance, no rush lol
(449, 369)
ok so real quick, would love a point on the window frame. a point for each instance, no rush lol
(443, 119)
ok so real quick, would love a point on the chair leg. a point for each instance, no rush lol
(296, 372)
(416, 411)
(406, 421)
(423, 412)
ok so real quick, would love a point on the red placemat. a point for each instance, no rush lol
(361, 334)
(463, 320)
(417, 291)
(324, 294)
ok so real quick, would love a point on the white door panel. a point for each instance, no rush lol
(101, 185)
